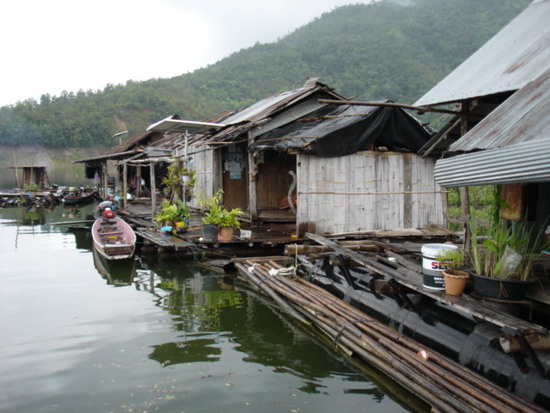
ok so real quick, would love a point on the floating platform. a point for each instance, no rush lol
(485, 358)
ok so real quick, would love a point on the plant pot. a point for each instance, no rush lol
(226, 233)
(498, 289)
(210, 232)
(455, 281)
(181, 227)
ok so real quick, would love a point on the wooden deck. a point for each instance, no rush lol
(267, 238)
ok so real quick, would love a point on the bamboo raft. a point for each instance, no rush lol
(442, 383)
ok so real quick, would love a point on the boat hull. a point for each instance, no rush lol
(113, 238)
(80, 199)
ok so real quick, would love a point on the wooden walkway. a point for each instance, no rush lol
(266, 239)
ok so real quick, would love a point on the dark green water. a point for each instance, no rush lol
(152, 336)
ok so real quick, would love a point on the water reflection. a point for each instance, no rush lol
(202, 303)
(190, 351)
(41, 215)
(153, 335)
(117, 272)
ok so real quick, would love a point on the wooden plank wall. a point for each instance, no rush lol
(207, 172)
(368, 191)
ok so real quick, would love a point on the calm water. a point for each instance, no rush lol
(152, 336)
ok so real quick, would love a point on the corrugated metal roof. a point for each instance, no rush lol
(263, 109)
(523, 117)
(112, 156)
(516, 55)
(130, 143)
(519, 163)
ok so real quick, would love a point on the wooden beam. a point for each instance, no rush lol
(125, 185)
(252, 182)
(464, 194)
(153, 188)
(388, 104)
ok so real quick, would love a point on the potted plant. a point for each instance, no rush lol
(455, 278)
(32, 189)
(175, 215)
(218, 216)
(178, 175)
(503, 262)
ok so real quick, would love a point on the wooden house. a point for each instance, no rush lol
(328, 169)
(222, 161)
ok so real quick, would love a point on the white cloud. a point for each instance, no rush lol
(56, 45)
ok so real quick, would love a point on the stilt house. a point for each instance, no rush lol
(328, 169)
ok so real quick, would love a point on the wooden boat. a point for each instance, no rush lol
(113, 238)
(80, 196)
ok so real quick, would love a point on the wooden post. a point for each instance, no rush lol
(252, 182)
(104, 179)
(125, 184)
(153, 188)
(464, 195)
(138, 181)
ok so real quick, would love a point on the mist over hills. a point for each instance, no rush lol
(396, 49)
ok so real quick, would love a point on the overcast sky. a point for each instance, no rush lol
(53, 45)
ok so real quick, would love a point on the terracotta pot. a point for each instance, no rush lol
(226, 233)
(455, 281)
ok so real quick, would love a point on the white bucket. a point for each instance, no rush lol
(431, 268)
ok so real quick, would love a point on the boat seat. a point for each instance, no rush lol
(110, 233)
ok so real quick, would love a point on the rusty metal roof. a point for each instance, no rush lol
(516, 55)
(523, 117)
(263, 109)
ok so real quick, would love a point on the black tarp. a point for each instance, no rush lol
(346, 129)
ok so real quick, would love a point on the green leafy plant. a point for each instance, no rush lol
(508, 252)
(216, 213)
(31, 187)
(173, 181)
(451, 259)
(172, 212)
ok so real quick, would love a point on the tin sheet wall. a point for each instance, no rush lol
(368, 191)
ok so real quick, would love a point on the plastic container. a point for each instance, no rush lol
(210, 232)
(432, 269)
(497, 289)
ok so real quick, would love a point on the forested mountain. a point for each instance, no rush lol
(375, 51)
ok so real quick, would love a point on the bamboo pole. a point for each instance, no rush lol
(262, 286)
(389, 351)
(479, 382)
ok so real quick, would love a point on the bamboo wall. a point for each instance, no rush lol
(368, 191)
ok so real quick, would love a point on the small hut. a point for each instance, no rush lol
(32, 175)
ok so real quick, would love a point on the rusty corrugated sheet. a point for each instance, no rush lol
(246, 118)
(523, 117)
(516, 55)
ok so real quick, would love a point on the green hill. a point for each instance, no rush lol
(375, 51)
